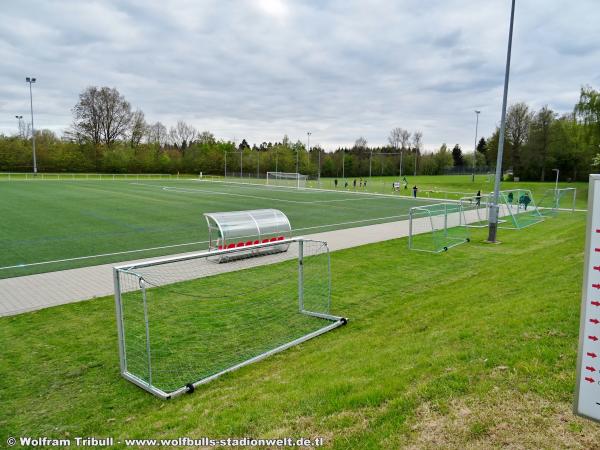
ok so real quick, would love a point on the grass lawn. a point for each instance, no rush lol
(473, 348)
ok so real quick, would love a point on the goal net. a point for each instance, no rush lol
(555, 200)
(286, 179)
(436, 228)
(184, 321)
(518, 209)
(475, 211)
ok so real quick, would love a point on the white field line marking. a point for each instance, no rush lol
(101, 255)
(259, 186)
(20, 266)
(308, 202)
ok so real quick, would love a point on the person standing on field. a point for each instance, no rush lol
(335, 183)
(478, 198)
(354, 184)
(415, 189)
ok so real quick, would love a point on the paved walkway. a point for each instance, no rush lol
(33, 292)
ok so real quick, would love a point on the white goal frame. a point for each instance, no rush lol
(300, 180)
(129, 281)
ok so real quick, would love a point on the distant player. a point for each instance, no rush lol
(511, 197)
(354, 184)
(415, 189)
(405, 181)
(346, 184)
(526, 200)
(335, 183)
(365, 184)
(478, 198)
(360, 183)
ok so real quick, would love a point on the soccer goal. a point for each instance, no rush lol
(184, 321)
(286, 179)
(556, 200)
(436, 228)
(517, 209)
(475, 211)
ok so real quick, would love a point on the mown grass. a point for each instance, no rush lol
(487, 329)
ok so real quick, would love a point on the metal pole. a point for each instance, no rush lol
(556, 182)
(475, 147)
(370, 159)
(301, 275)
(225, 164)
(493, 222)
(31, 81)
(401, 155)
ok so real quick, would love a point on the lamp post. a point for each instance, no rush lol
(493, 215)
(31, 80)
(475, 147)
(556, 182)
(19, 118)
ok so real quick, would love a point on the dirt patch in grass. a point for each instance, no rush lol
(503, 419)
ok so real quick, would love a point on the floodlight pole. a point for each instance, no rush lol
(370, 159)
(493, 216)
(308, 133)
(297, 167)
(19, 118)
(556, 182)
(475, 147)
(31, 80)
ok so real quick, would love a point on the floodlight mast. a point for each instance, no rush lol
(308, 133)
(493, 216)
(19, 118)
(31, 80)
(475, 148)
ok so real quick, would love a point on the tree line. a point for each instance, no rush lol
(108, 136)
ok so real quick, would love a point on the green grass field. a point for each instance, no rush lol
(473, 348)
(56, 220)
(68, 222)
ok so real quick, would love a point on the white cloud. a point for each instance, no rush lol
(259, 69)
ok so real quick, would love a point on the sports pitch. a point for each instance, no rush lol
(57, 225)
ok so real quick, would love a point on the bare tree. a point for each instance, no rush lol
(206, 137)
(394, 137)
(102, 115)
(157, 134)
(417, 143)
(518, 120)
(404, 139)
(182, 135)
(360, 143)
(138, 128)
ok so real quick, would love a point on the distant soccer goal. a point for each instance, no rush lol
(436, 228)
(286, 179)
(517, 209)
(185, 321)
(555, 200)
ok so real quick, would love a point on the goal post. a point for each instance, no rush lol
(292, 179)
(475, 210)
(556, 200)
(436, 228)
(184, 321)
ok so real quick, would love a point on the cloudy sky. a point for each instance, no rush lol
(257, 69)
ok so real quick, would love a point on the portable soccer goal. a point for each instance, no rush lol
(286, 179)
(475, 211)
(517, 209)
(184, 321)
(556, 200)
(436, 228)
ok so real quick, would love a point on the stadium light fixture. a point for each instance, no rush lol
(31, 80)
(493, 216)
(475, 148)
